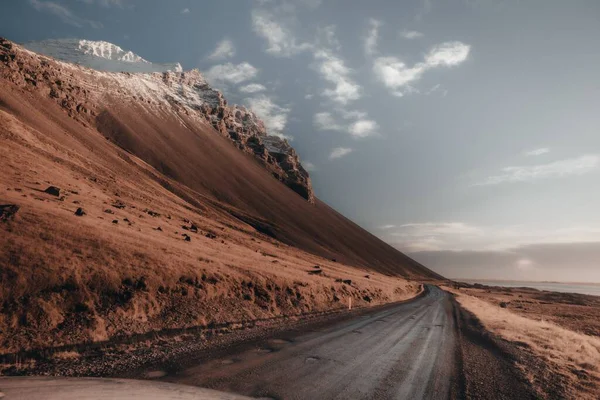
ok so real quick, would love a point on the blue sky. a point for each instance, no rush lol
(463, 132)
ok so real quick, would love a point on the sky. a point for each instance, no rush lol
(465, 133)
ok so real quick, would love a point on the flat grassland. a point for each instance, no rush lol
(560, 329)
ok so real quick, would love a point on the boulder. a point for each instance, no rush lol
(53, 191)
(8, 211)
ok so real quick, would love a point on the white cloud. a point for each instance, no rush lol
(447, 54)
(411, 34)
(225, 49)
(358, 127)
(334, 70)
(429, 236)
(386, 227)
(363, 128)
(460, 236)
(310, 167)
(395, 74)
(398, 77)
(281, 42)
(253, 88)
(437, 88)
(325, 122)
(230, 73)
(274, 116)
(63, 13)
(372, 36)
(105, 3)
(185, 11)
(557, 169)
(537, 152)
(339, 152)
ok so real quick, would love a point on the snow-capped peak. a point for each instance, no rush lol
(109, 51)
(98, 55)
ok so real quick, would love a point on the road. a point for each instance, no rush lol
(404, 352)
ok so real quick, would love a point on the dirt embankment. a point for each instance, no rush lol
(547, 344)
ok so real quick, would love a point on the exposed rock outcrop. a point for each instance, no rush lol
(85, 93)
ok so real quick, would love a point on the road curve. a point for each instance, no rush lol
(404, 352)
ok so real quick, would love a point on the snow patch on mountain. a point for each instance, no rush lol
(98, 55)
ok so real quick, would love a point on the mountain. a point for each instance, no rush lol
(98, 55)
(141, 202)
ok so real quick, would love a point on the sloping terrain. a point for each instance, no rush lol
(125, 211)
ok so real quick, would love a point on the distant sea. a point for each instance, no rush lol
(583, 288)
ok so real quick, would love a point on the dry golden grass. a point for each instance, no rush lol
(69, 279)
(571, 353)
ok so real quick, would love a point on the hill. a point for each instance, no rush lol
(140, 202)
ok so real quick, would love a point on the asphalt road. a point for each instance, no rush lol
(406, 351)
(403, 352)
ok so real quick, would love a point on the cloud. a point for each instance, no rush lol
(281, 42)
(386, 227)
(537, 262)
(325, 122)
(310, 167)
(372, 36)
(230, 73)
(398, 77)
(253, 88)
(274, 116)
(63, 13)
(447, 54)
(185, 11)
(437, 88)
(537, 152)
(225, 49)
(363, 128)
(461, 236)
(334, 70)
(395, 74)
(411, 34)
(339, 152)
(359, 127)
(557, 169)
(105, 3)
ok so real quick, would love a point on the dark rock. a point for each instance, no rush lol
(8, 211)
(118, 204)
(347, 281)
(152, 213)
(80, 212)
(158, 229)
(52, 190)
(186, 237)
(210, 235)
(503, 304)
(315, 272)
(115, 221)
(109, 211)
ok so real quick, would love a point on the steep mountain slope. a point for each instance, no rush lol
(159, 220)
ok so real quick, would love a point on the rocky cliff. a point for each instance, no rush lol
(86, 95)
